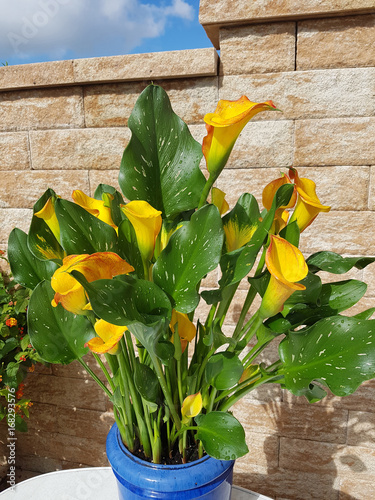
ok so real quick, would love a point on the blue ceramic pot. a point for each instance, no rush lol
(207, 478)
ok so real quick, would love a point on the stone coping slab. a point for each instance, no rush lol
(131, 67)
(221, 13)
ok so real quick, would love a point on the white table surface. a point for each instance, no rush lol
(95, 483)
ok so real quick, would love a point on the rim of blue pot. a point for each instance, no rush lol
(146, 474)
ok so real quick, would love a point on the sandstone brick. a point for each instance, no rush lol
(284, 484)
(47, 108)
(262, 48)
(14, 149)
(22, 189)
(338, 42)
(111, 105)
(345, 141)
(213, 15)
(85, 149)
(353, 487)
(109, 177)
(327, 458)
(263, 144)
(262, 456)
(11, 218)
(341, 232)
(87, 451)
(36, 75)
(64, 391)
(307, 94)
(83, 423)
(151, 66)
(371, 200)
(361, 428)
(294, 421)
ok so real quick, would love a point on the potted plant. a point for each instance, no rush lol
(122, 279)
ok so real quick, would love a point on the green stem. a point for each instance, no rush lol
(206, 190)
(105, 371)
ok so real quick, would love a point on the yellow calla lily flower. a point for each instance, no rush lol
(308, 205)
(186, 328)
(218, 199)
(286, 265)
(109, 336)
(281, 215)
(191, 406)
(48, 214)
(101, 265)
(98, 208)
(223, 128)
(146, 222)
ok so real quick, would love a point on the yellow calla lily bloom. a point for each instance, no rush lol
(48, 214)
(286, 265)
(98, 208)
(281, 215)
(109, 336)
(186, 329)
(223, 128)
(146, 222)
(191, 406)
(218, 199)
(308, 205)
(101, 265)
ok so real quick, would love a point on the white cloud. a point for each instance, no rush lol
(83, 28)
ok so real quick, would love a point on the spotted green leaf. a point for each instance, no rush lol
(338, 351)
(57, 335)
(161, 162)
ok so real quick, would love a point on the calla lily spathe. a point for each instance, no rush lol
(146, 222)
(48, 214)
(286, 266)
(308, 205)
(191, 406)
(97, 208)
(237, 234)
(109, 336)
(281, 215)
(69, 293)
(218, 199)
(186, 328)
(224, 126)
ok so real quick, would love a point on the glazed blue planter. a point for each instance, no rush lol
(207, 478)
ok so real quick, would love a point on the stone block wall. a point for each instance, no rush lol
(64, 124)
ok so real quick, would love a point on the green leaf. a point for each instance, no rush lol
(81, 232)
(164, 350)
(146, 382)
(365, 314)
(148, 335)
(291, 233)
(192, 251)
(334, 298)
(223, 370)
(334, 263)
(338, 351)
(222, 435)
(27, 270)
(42, 242)
(58, 335)
(237, 264)
(126, 299)
(128, 246)
(161, 162)
(8, 346)
(101, 193)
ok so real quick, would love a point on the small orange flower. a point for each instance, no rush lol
(32, 368)
(11, 322)
(22, 358)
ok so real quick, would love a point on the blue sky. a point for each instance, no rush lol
(48, 30)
